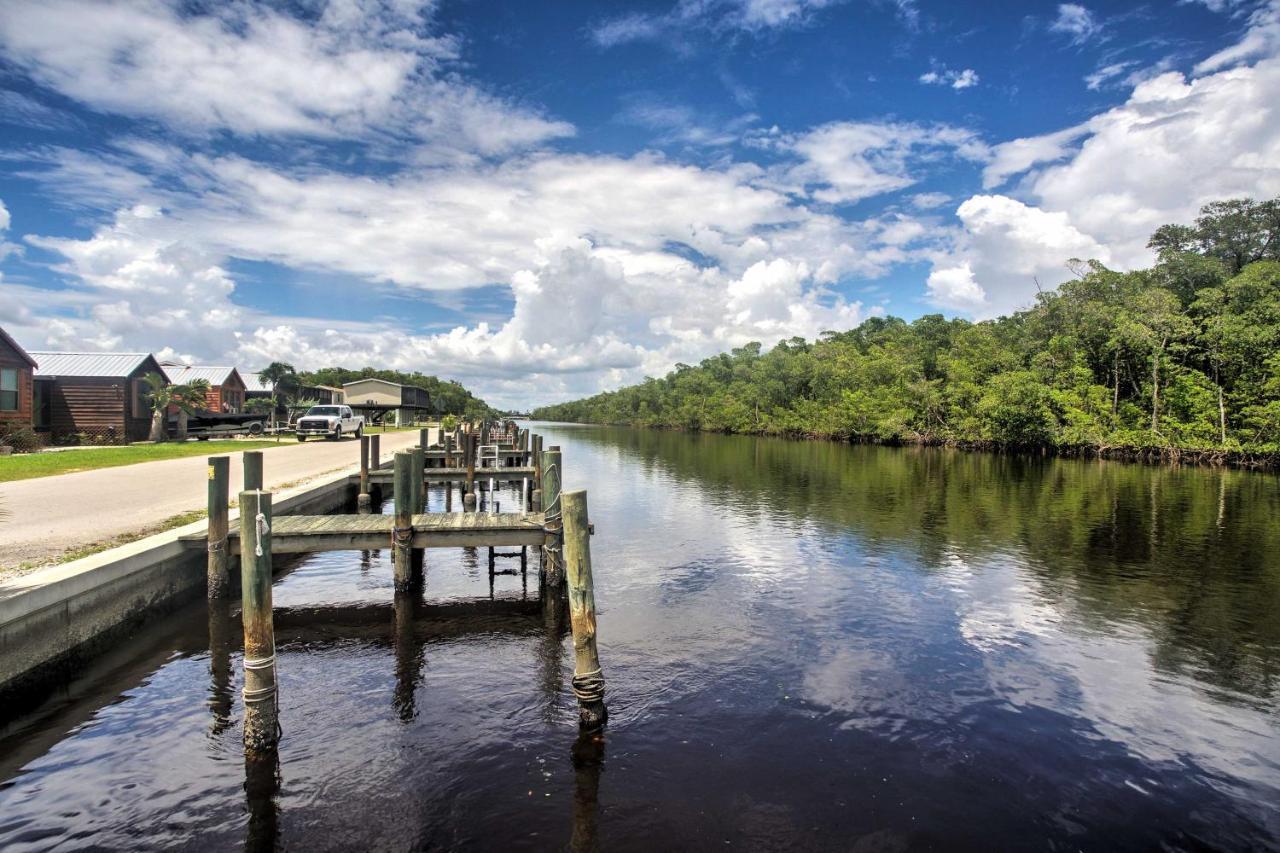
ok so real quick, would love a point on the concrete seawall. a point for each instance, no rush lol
(55, 619)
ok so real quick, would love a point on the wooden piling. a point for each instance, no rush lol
(363, 504)
(375, 457)
(252, 470)
(423, 437)
(535, 498)
(588, 681)
(418, 555)
(469, 497)
(261, 706)
(219, 580)
(552, 553)
(402, 532)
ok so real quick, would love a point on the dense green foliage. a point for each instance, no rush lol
(1183, 355)
(447, 397)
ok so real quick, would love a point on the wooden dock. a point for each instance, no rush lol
(301, 534)
(468, 458)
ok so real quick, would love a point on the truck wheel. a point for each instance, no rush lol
(301, 438)
(255, 428)
(360, 432)
(337, 433)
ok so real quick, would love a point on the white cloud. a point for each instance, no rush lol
(1018, 155)
(929, 201)
(1005, 248)
(1106, 73)
(957, 80)
(956, 288)
(358, 70)
(1262, 38)
(1075, 21)
(847, 161)
(712, 15)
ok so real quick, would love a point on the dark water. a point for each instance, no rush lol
(807, 647)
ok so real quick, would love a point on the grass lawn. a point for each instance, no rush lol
(25, 466)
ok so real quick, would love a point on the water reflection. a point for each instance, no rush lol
(808, 646)
(261, 789)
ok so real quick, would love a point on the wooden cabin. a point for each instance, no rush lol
(226, 387)
(94, 397)
(16, 380)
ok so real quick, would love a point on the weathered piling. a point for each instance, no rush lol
(363, 503)
(375, 456)
(219, 580)
(417, 555)
(552, 552)
(535, 498)
(588, 681)
(402, 532)
(424, 437)
(252, 464)
(469, 497)
(261, 721)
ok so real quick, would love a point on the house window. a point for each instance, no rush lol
(8, 389)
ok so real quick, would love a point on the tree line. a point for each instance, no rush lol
(1183, 356)
(448, 397)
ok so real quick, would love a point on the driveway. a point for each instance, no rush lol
(51, 515)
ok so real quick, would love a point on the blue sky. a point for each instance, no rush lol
(544, 200)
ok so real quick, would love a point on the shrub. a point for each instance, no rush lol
(22, 439)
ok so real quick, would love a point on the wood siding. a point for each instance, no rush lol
(102, 408)
(12, 360)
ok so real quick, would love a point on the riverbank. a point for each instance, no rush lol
(1256, 460)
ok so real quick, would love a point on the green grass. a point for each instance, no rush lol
(26, 466)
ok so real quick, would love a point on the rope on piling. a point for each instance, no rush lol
(589, 687)
(401, 535)
(215, 547)
(262, 529)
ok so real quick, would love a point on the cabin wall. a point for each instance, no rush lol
(371, 393)
(94, 407)
(10, 360)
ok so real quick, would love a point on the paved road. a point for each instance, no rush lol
(50, 515)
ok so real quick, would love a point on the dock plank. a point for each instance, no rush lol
(296, 534)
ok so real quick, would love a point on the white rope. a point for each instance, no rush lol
(263, 529)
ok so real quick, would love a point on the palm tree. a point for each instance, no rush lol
(283, 379)
(162, 395)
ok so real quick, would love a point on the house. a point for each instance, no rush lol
(16, 369)
(94, 397)
(324, 395)
(255, 388)
(376, 398)
(226, 387)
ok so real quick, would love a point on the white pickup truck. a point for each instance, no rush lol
(329, 422)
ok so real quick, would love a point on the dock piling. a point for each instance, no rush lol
(417, 555)
(252, 470)
(588, 681)
(552, 553)
(535, 498)
(363, 504)
(261, 710)
(219, 493)
(469, 496)
(402, 531)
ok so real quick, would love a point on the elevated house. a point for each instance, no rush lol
(17, 370)
(324, 395)
(226, 387)
(378, 400)
(93, 397)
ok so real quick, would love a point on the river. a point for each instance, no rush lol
(807, 646)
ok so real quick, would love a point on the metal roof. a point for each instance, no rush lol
(184, 374)
(254, 385)
(106, 364)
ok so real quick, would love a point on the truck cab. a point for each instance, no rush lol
(332, 422)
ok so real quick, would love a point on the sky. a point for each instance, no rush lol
(546, 200)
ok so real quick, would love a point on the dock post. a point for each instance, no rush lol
(417, 555)
(261, 705)
(402, 531)
(375, 457)
(535, 498)
(252, 470)
(219, 494)
(422, 438)
(588, 682)
(552, 552)
(469, 497)
(363, 504)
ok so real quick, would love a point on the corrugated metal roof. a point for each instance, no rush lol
(104, 364)
(254, 385)
(184, 374)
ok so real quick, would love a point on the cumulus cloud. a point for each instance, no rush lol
(1099, 189)
(1077, 22)
(357, 69)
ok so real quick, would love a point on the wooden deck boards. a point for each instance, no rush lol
(296, 534)
(441, 475)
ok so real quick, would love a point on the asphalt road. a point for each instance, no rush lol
(50, 515)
